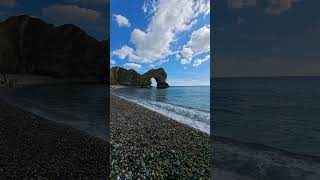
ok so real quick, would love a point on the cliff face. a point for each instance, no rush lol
(30, 45)
(121, 76)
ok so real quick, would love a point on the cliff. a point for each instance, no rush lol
(30, 45)
(121, 76)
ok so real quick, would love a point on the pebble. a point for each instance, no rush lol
(148, 149)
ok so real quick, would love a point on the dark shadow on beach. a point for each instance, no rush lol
(34, 147)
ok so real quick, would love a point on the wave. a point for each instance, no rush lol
(195, 118)
(260, 161)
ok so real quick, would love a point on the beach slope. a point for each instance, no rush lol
(145, 143)
(33, 147)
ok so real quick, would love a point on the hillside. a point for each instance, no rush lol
(31, 46)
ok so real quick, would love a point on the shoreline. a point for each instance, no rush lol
(170, 115)
(14, 102)
(52, 117)
(42, 80)
(251, 161)
(148, 144)
(34, 147)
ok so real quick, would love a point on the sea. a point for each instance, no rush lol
(279, 112)
(86, 107)
(189, 105)
(81, 106)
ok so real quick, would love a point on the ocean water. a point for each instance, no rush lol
(189, 105)
(82, 106)
(281, 112)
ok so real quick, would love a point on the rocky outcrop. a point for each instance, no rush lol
(30, 45)
(121, 76)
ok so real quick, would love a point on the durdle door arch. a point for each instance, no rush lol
(121, 76)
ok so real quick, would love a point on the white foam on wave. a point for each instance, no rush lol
(197, 119)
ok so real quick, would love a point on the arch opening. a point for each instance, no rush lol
(154, 82)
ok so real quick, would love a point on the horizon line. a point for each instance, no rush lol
(272, 76)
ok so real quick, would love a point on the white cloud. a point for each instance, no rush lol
(123, 52)
(112, 62)
(71, 14)
(132, 66)
(276, 7)
(170, 18)
(198, 62)
(184, 61)
(202, 7)
(199, 43)
(188, 82)
(160, 62)
(273, 7)
(121, 20)
(149, 6)
(8, 3)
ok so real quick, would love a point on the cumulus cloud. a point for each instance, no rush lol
(199, 43)
(162, 61)
(132, 66)
(273, 7)
(8, 3)
(276, 7)
(158, 63)
(170, 18)
(241, 3)
(121, 20)
(112, 62)
(185, 61)
(149, 6)
(123, 52)
(199, 61)
(71, 14)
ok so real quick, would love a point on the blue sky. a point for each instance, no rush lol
(266, 38)
(173, 34)
(90, 15)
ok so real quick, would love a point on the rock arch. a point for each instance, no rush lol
(121, 76)
(159, 75)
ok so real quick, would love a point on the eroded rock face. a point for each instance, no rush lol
(121, 76)
(30, 45)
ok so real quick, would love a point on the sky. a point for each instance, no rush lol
(266, 38)
(172, 34)
(90, 15)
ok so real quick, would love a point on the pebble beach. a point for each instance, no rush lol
(149, 145)
(32, 147)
